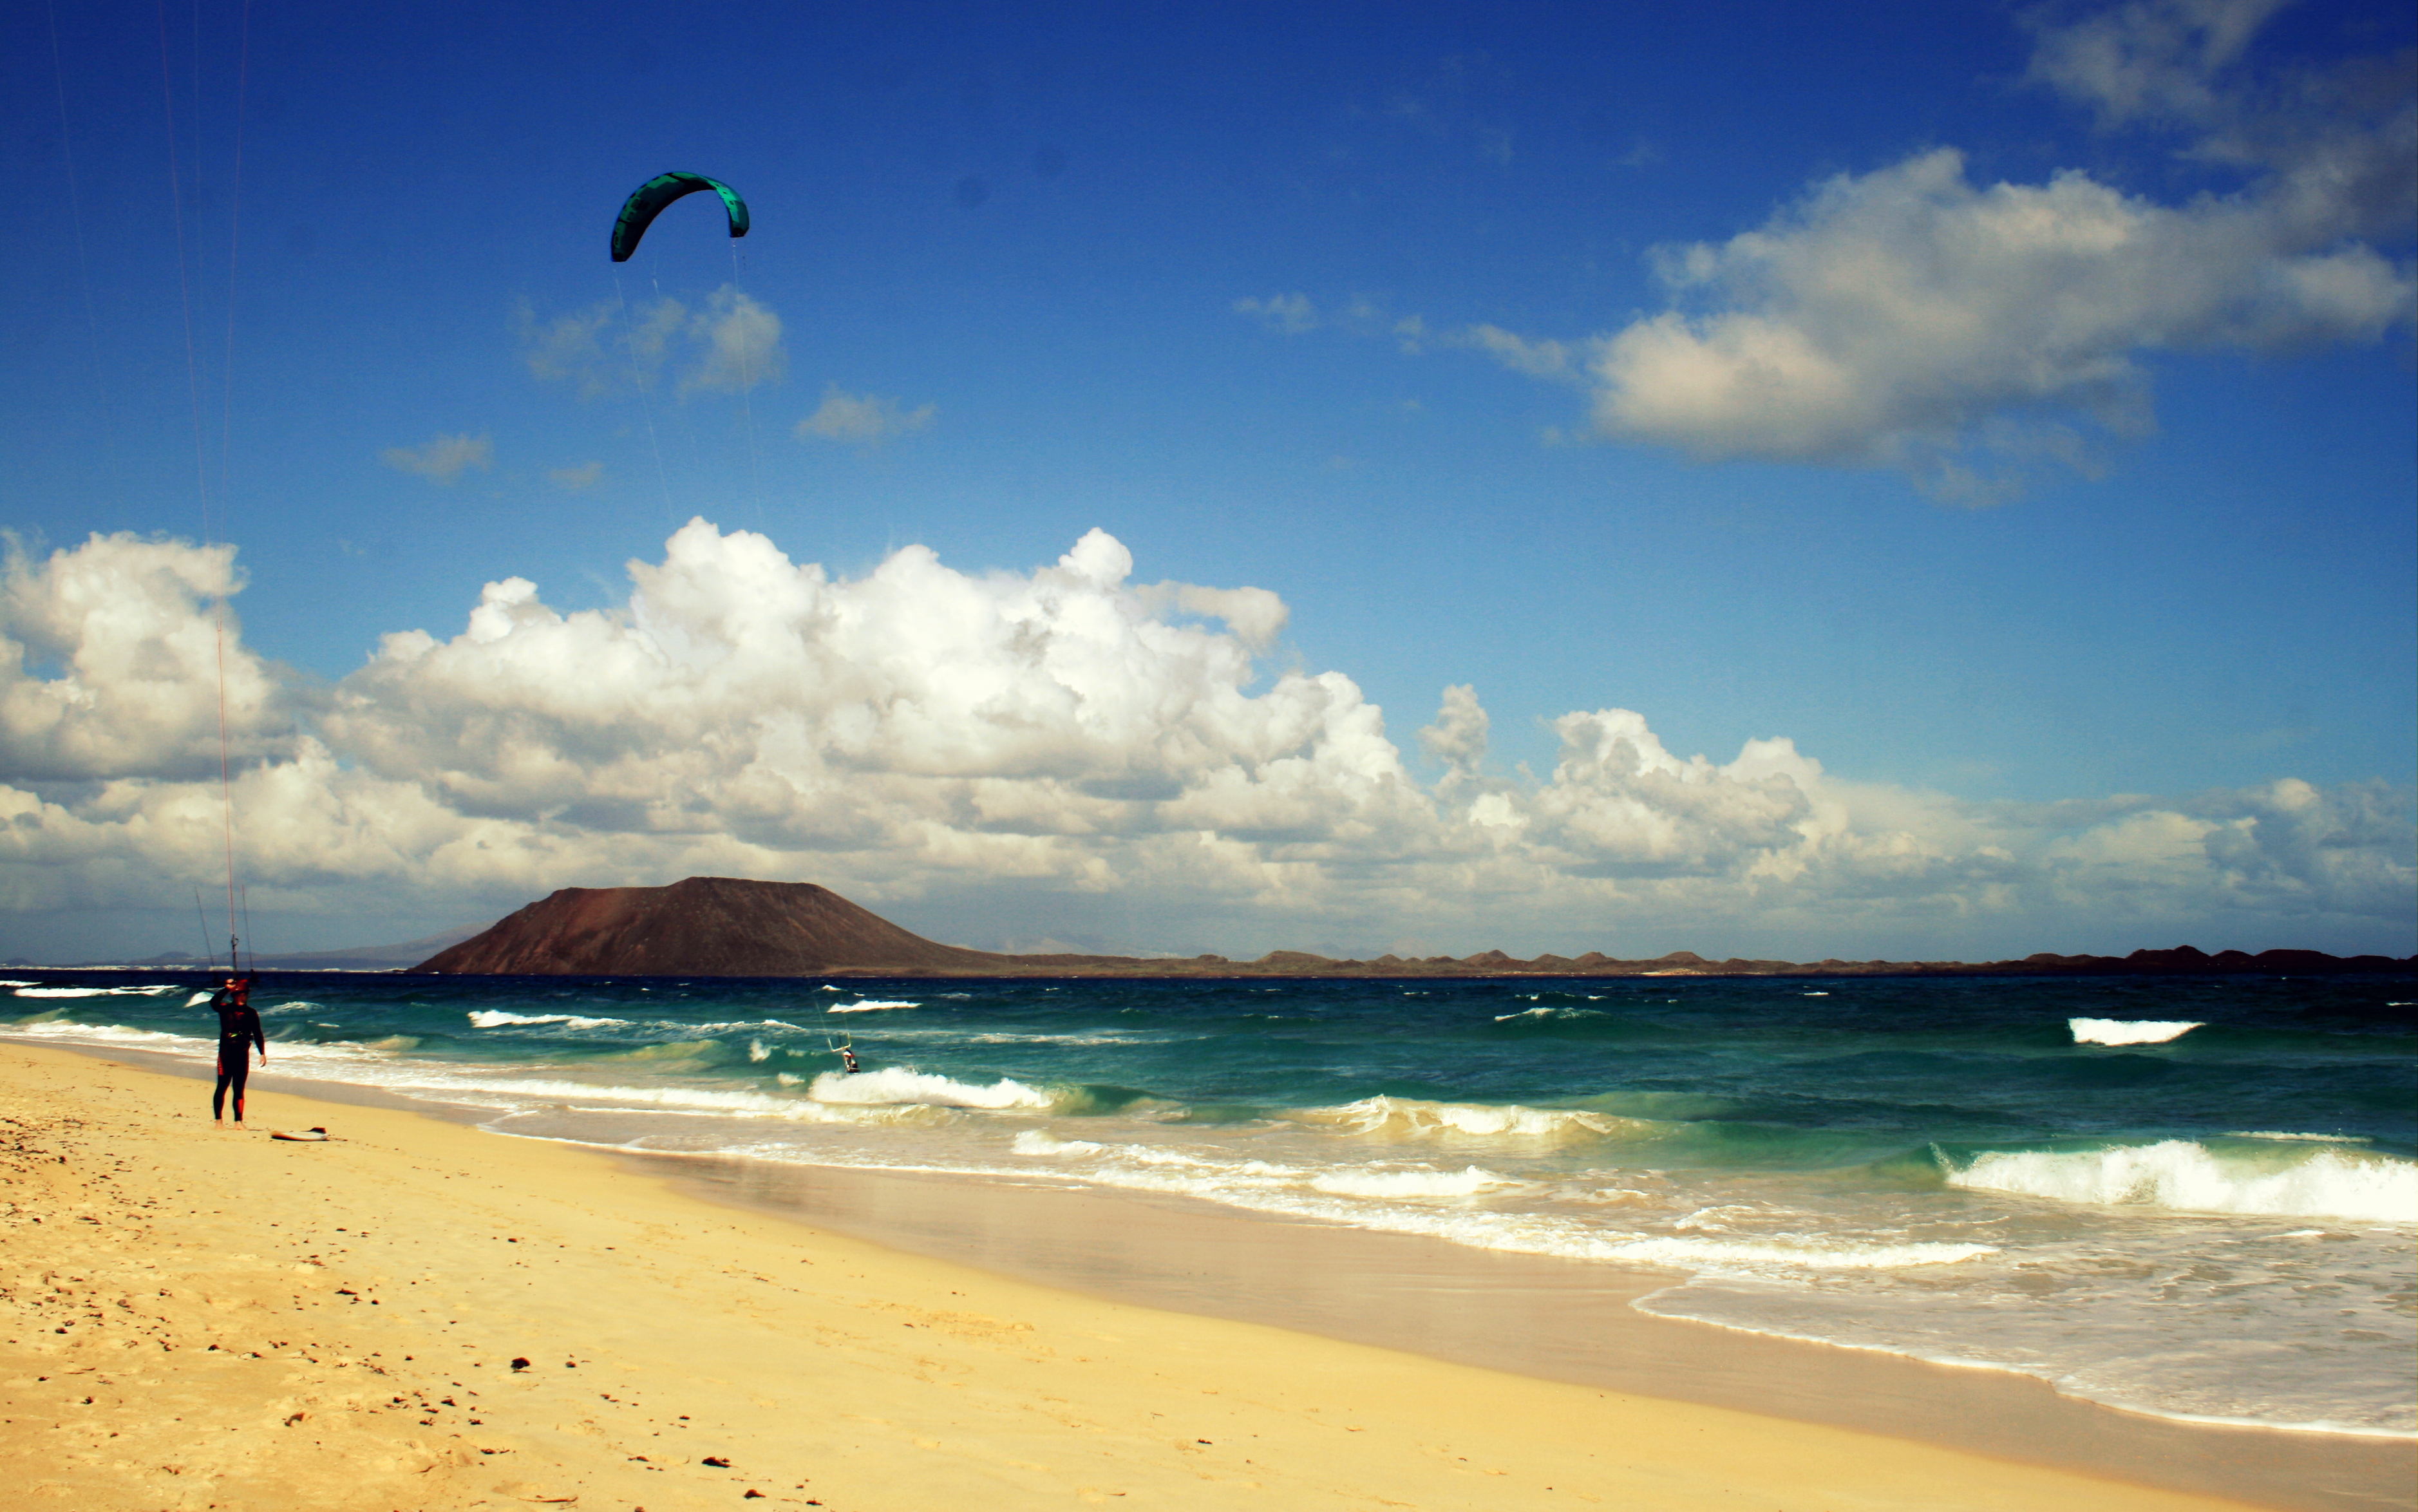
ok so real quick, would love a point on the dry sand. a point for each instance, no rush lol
(198, 1317)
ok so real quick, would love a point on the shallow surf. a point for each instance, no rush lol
(2188, 1197)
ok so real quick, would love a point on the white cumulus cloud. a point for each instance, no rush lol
(1057, 742)
(1969, 332)
(110, 661)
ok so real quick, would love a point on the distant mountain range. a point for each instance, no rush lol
(727, 926)
(358, 958)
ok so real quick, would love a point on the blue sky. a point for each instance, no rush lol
(2009, 408)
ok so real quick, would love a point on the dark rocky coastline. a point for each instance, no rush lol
(726, 926)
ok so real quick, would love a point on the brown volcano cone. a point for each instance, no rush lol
(703, 926)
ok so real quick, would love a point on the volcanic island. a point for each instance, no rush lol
(727, 926)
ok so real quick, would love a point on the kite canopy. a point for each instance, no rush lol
(650, 197)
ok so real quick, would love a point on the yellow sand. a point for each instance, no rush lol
(192, 1318)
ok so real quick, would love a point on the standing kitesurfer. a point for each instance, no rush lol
(237, 1025)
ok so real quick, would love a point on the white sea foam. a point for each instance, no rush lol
(1039, 1039)
(497, 1018)
(1042, 1143)
(67, 1029)
(19, 984)
(1796, 1253)
(2188, 1177)
(2130, 1031)
(2299, 1138)
(1552, 1013)
(758, 1051)
(1403, 1201)
(1410, 1184)
(870, 1006)
(96, 992)
(902, 1084)
(1411, 1118)
(1171, 1169)
(198, 999)
(676, 1099)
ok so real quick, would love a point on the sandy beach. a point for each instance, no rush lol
(420, 1315)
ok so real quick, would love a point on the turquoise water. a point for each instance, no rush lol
(2187, 1195)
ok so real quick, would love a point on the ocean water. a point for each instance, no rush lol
(2191, 1197)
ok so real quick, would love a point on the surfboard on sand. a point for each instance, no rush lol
(311, 1136)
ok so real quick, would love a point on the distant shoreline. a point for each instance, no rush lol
(2181, 961)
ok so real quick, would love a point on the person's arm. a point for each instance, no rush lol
(259, 1039)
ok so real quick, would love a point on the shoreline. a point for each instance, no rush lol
(1541, 1317)
(2256, 1466)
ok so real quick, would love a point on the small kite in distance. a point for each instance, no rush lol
(649, 199)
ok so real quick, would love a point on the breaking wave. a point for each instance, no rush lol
(1411, 1118)
(2188, 1177)
(2130, 1031)
(97, 992)
(67, 1029)
(870, 1006)
(497, 1018)
(899, 1084)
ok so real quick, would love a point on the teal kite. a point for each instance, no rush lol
(649, 199)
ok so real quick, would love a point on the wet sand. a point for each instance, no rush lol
(197, 1318)
(1534, 1315)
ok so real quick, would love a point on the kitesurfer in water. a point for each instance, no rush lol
(848, 1059)
(239, 1034)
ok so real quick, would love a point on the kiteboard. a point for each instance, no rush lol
(310, 1136)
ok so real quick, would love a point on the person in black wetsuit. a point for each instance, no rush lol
(238, 1036)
